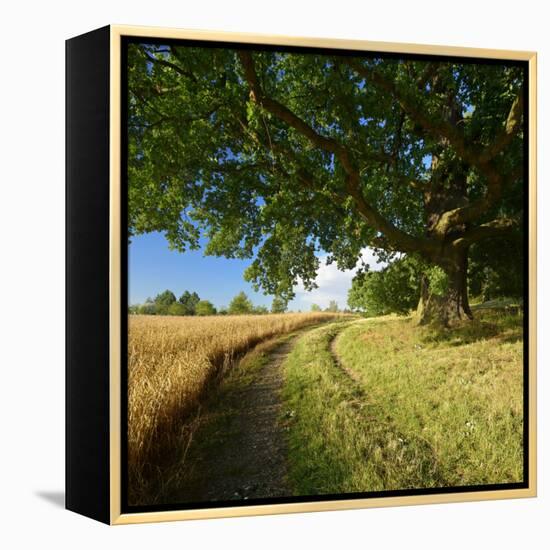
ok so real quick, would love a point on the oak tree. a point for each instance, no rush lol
(277, 155)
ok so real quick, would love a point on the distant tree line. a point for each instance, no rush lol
(331, 308)
(190, 303)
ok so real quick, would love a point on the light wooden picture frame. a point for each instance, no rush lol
(101, 221)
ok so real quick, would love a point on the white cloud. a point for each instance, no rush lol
(332, 283)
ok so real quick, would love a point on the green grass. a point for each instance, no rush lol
(425, 408)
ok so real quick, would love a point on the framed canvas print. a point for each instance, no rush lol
(300, 274)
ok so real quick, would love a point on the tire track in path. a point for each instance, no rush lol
(350, 373)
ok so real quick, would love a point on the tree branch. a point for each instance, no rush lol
(162, 118)
(170, 65)
(439, 128)
(414, 183)
(401, 240)
(511, 128)
(442, 128)
(429, 71)
(472, 211)
(286, 115)
(482, 160)
(496, 228)
(388, 160)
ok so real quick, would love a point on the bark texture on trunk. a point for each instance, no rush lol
(453, 304)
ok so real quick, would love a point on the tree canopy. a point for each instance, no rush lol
(240, 305)
(275, 156)
(189, 301)
(278, 305)
(165, 298)
(204, 307)
(394, 289)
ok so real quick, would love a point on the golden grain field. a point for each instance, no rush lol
(171, 362)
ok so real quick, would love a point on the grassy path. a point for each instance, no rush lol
(383, 405)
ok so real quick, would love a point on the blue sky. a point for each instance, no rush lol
(153, 268)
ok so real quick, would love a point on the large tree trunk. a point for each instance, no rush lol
(451, 306)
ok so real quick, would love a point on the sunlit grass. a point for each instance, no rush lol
(424, 408)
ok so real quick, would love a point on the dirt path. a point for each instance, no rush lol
(243, 450)
(338, 361)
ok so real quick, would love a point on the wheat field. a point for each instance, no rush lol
(171, 362)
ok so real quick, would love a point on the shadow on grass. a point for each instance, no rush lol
(511, 338)
(485, 326)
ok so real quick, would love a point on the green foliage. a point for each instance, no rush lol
(315, 307)
(189, 302)
(260, 310)
(332, 307)
(494, 271)
(165, 304)
(162, 303)
(240, 305)
(394, 289)
(206, 160)
(176, 309)
(148, 308)
(204, 307)
(437, 280)
(165, 298)
(278, 305)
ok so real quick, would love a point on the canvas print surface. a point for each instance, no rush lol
(326, 274)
